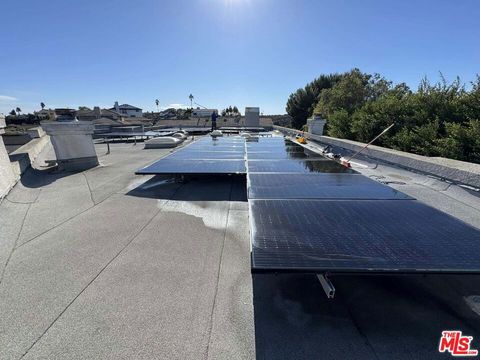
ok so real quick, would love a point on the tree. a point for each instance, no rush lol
(339, 124)
(462, 141)
(18, 110)
(301, 103)
(13, 113)
(235, 110)
(439, 119)
(230, 110)
(350, 93)
(224, 112)
(191, 100)
(42, 105)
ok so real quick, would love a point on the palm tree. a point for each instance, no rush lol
(191, 100)
(42, 105)
(13, 113)
(18, 110)
(157, 102)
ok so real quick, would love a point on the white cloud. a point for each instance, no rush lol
(7, 98)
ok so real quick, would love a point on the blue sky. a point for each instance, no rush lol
(224, 52)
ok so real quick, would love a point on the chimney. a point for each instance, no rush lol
(117, 109)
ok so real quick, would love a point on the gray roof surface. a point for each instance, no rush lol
(104, 264)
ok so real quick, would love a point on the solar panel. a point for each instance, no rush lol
(296, 166)
(198, 167)
(280, 149)
(221, 140)
(318, 186)
(280, 155)
(207, 155)
(360, 236)
(217, 148)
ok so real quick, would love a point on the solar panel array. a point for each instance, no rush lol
(360, 236)
(205, 156)
(311, 214)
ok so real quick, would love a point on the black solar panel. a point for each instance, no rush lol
(360, 236)
(280, 155)
(216, 148)
(267, 143)
(175, 166)
(296, 166)
(207, 155)
(281, 147)
(318, 186)
(221, 140)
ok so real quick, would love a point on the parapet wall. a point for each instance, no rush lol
(13, 165)
(448, 169)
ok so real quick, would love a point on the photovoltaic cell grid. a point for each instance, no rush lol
(194, 167)
(312, 215)
(205, 156)
(318, 186)
(296, 166)
(360, 236)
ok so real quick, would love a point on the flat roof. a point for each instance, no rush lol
(106, 264)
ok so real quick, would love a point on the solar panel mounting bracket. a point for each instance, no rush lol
(326, 285)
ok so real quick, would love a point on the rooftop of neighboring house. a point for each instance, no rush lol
(126, 107)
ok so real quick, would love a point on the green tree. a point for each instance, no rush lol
(13, 113)
(350, 93)
(374, 116)
(18, 110)
(462, 141)
(339, 124)
(301, 103)
(42, 105)
(438, 119)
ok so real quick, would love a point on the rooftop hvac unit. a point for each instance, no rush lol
(252, 116)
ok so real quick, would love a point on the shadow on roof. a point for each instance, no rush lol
(35, 178)
(294, 319)
(193, 188)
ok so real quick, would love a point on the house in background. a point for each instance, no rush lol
(86, 114)
(45, 114)
(127, 110)
(203, 113)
